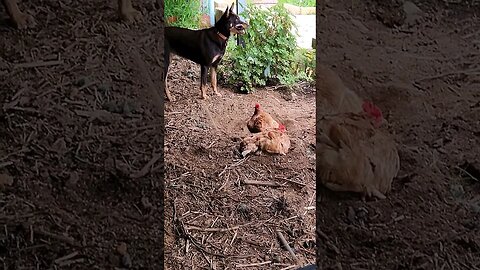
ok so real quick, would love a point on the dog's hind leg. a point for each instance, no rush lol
(213, 79)
(203, 81)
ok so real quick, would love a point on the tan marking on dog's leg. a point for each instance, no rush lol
(167, 92)
(215, 58)
(20, 19)
(127, 12)
(213, 79)
(203, 88)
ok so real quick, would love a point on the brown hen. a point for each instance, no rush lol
(354, 155)
(261, 121)
(272, 141)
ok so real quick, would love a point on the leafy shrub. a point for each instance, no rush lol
(268, 53)
(300, 3)
(304, 64)
(183, 13)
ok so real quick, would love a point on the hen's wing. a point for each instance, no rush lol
(340, 161)
(383, 154)
(277, 143)
(353, 156)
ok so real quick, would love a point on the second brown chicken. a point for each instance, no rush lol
(272, 141)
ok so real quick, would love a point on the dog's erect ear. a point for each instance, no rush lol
(231, 8)
(227, 12)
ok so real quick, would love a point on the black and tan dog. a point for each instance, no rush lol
(205, 47)
(23, 20)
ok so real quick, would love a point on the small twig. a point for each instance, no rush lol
(227, 167)
(22, 109)
(286, 245)
(250, 242)
(67, 257)
(195, 228)
(65, 263)
(61, 238)
(261, 183)
(310, 207)
(289, 267)
(144, 171)
(328, 242)
(85, 86)
(291, 181)
(253, 264)
(15, 217)
(234, 237)
(468, 174)
(38, 64)
(453, 90)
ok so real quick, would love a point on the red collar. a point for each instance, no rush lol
(222, 36)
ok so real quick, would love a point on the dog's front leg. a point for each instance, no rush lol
(203, 81)
(213, 78)
(20, 19)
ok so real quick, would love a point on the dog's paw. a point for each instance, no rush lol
(218, 94)
(23, 20)
(131, 15)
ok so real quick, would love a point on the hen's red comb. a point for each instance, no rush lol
(371, 109)
(257, 106)
(367, 106)
(281, 127)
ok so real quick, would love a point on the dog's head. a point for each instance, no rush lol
(231, 22)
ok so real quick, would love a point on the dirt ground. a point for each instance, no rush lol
(81, 142)
(426, 79)
(213, 220)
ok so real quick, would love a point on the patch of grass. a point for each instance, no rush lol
(183, 13)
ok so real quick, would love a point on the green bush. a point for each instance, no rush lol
(304, 64)
(270, 55)
(300, 3)
(186, 13)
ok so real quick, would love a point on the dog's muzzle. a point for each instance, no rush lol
(241, 27)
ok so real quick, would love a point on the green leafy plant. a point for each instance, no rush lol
(183, 13)
(270, 55)
(300, 3)
(304, 64)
